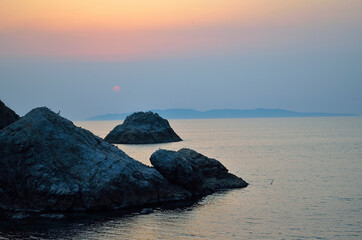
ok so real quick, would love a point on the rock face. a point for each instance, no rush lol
(47, 163)
(7, 116)
(193, 171)
(143, 128)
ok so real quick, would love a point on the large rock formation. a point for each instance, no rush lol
(195, 172)
(143, 128)
(47, 163)
(7, 116)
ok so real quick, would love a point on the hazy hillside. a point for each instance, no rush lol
(222, 113)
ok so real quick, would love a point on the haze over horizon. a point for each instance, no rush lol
(87, 58)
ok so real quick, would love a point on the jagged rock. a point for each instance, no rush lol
(7, 116)
(143, 128)
(47, 163)
(195, 172)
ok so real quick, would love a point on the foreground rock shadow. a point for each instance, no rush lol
(72, 225)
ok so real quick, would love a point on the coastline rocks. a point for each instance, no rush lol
(47, 163)
(143, 128)
(195, 172)
(7, 116)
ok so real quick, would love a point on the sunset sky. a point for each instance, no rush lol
(303, 55)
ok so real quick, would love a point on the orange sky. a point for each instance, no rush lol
(139, 29)
(135, 14)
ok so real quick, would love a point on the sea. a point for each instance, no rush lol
(305, 177)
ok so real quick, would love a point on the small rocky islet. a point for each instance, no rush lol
(49, 164)
(143, 128)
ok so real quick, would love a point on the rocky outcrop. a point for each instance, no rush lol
(47, 163)
(7, 116)
(195, 172)
(143, 128)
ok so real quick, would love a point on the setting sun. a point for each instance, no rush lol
(116, 89)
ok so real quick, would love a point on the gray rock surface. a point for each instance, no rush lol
(143, 128)
(47, 163)
(7, 116)
(195, 172)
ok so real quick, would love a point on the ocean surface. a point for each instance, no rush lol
(305, 178)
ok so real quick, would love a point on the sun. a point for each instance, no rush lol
(116, 89)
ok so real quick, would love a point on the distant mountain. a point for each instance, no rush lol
(223, 113)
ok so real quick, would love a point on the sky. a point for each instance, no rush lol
(86, 58)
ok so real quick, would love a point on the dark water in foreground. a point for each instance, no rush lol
(305, 178)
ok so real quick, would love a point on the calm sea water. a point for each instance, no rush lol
(305, 178)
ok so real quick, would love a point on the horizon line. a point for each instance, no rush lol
(273, 114)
